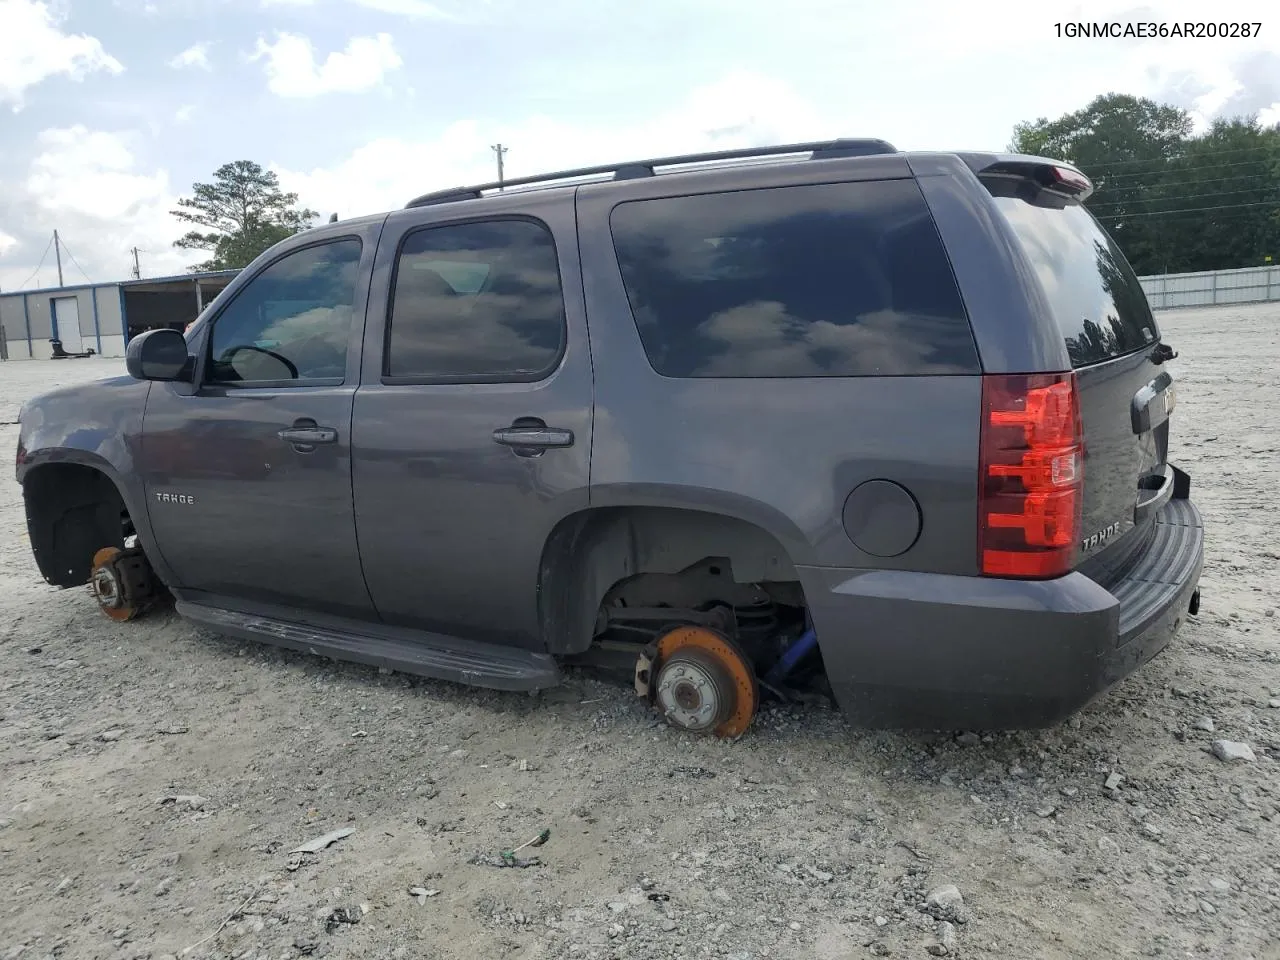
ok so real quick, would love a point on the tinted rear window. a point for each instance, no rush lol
(832, 280)
(1096, 299)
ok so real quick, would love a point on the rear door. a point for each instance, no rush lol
(472, 425)
(1126, 391)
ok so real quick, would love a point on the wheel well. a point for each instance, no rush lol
(665, 555)
(72, 512)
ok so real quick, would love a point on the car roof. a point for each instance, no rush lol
(637, 169)
(566, 181)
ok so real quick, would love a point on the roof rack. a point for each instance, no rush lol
(818, 150)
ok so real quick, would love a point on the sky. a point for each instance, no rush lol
(111, 109)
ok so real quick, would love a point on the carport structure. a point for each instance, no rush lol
(101, 317)
(170, 301)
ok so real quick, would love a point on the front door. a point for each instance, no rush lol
(66, 318)
(472, 425)
(248, 475)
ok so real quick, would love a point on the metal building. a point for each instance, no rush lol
(101, 317)
(1211, 288)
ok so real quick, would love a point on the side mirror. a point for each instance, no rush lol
(159, 355)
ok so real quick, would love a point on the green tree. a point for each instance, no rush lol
(243, 212)
(1217, 205)
(1112, 127)
(1124, 144)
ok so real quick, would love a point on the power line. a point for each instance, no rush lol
(1166, 213)
(1180, 156)
(73, 260)
(1108, 178)
(1198, 182)
(38, 265)
(1175, 199)
(1174, 158)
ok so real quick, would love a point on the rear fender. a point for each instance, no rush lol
(591, 551)
(1001, 291)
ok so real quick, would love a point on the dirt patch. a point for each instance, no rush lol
(155, 779)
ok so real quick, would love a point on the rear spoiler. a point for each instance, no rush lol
(1056, 175)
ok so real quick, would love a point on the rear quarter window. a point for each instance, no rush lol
(1096, 299)
(832, 280)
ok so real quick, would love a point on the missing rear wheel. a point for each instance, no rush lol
(704, 683)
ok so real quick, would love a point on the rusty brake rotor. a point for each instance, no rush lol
(704, 682)
(122, 582)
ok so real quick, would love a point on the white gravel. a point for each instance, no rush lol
(805, 839)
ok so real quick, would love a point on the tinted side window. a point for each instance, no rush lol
(1096, 299)
(291, 321)
(476, 302)
(833, 280)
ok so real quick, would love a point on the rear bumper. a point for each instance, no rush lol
(932, 651)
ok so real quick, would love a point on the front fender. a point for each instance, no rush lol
(94, 424)
(97, 425)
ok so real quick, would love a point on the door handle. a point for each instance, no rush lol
(305, 434)
(528, 434)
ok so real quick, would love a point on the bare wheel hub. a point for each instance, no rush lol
(106, 587)
(695, 691)
(122, 582)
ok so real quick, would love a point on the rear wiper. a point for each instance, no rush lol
(1163, 352)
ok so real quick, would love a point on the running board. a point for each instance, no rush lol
(407, 651)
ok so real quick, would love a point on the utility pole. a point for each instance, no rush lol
(137, 269)
(499, 149)
(57, 250)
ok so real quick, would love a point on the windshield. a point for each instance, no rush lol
(1096, 298)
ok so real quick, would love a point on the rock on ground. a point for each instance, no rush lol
(1229, 750)
(945, 902)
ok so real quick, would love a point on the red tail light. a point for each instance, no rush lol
(1032, 483)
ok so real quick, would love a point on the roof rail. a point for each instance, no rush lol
(818, 150)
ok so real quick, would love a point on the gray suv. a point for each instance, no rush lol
(736, 423)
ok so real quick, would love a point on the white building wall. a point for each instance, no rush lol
(1209, 288)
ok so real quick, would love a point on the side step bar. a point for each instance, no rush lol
(407, 651)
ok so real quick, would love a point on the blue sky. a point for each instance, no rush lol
(110, 109)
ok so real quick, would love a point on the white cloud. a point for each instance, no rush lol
(33, 47)
(1160, 68)
(421, 9)
(89, 185)
(90, 172)
(196, 55)
(742, 109)
(184, 113)
(407, 8)
(292, 70)
(7, 243)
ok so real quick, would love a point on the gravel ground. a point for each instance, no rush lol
(803, 839)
